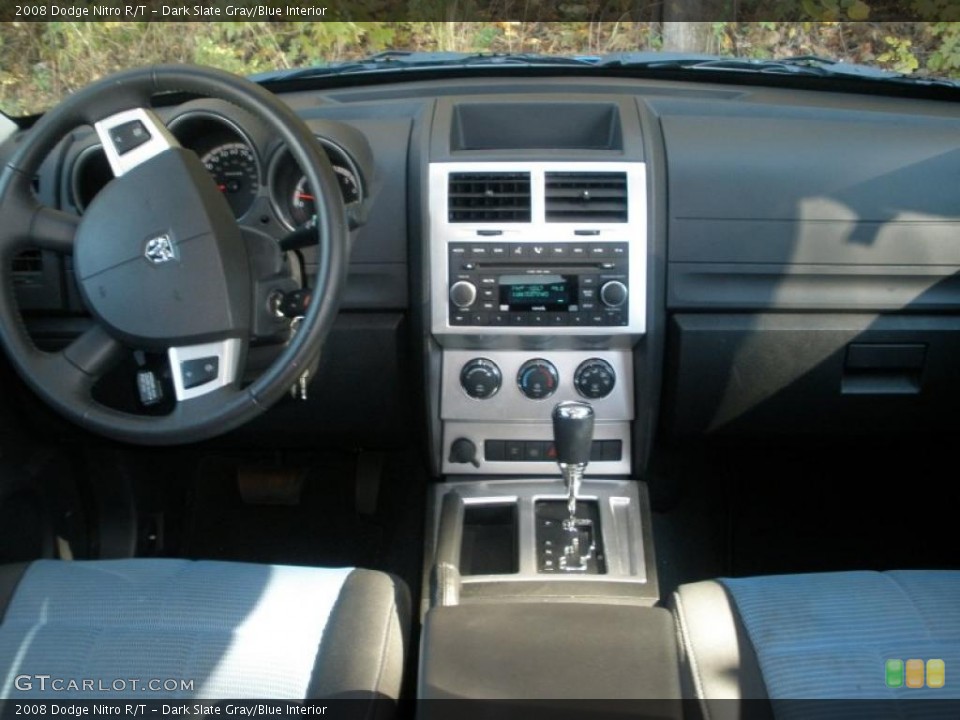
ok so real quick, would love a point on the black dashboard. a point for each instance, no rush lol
(792, 257)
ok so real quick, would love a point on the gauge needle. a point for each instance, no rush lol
(304, 196)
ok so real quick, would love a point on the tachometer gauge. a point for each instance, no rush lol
(234, 169)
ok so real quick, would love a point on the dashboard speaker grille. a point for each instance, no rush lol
(586, 197)
(489, 197)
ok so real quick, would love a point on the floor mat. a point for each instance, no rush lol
(323, 529)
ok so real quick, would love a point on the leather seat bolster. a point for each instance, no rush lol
(718, 662)
(362, 652)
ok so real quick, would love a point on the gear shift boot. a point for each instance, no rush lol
(564, 549)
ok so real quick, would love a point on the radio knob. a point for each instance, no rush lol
(537, 379)
(480, 378)
(594, 379)
(613, 294)
(463, 294)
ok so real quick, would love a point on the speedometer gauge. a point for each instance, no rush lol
(234, 169)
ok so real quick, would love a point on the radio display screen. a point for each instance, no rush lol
(537, 293)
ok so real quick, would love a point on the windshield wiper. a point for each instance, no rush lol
(805, 65)
(393, 60)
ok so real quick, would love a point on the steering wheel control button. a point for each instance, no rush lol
(132, 137)
(480, 378)
(594, 379)
(129, 136)
(538, 379)
(199, 371)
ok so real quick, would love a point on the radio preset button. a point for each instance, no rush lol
(613, 294)
(498, 251)
(600, 251)
(459, 319)
(463, 293)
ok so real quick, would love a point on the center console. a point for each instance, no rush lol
(538, 277)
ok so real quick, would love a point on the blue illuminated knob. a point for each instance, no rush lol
(538, 379)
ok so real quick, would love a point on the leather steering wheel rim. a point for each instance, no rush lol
(64, 380)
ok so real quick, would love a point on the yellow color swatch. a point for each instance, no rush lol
(914, 673)
(936, 673)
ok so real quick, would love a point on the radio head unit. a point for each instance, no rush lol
(572, 263)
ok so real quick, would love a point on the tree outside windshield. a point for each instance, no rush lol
(42, 62)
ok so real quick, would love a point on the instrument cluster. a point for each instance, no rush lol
(236, 164)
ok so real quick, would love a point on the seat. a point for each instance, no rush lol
(814, 636)
(199, 629)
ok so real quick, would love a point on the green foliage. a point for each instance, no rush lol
(899, 55)
(41, 62)
(946, 58)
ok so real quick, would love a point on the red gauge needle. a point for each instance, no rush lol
(304, 196)
(222, 188)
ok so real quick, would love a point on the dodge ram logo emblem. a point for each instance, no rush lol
(160, 250)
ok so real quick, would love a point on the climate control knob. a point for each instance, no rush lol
(463, 294)
(538, 379)
(613, 294)
(594, 379)
(480, 378)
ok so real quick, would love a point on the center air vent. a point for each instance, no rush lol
(489, 197)
(586, 197)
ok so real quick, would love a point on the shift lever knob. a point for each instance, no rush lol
(573, 432)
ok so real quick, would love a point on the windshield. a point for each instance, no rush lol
(41, 62)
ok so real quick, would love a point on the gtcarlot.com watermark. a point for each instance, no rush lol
(48, 683)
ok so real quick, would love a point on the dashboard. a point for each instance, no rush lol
(695, 259)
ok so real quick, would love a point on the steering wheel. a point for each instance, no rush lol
(161, 262)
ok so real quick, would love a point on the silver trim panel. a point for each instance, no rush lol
(620, 526)
(510, 405)
(479, 432)
(226, 351)
(443, 232)
(160, 140)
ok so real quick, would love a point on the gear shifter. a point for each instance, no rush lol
(572, 436)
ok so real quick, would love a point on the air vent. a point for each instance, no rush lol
(586, 197)
(489, 197)
(27, 267)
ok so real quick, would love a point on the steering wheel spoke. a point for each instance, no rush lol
(94, 353)
(53, 229)
(201, 369)
(132, 137)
